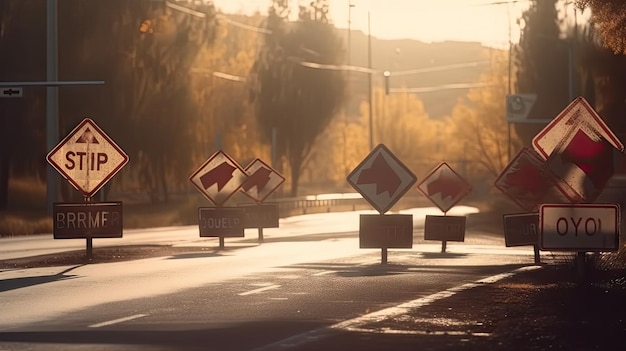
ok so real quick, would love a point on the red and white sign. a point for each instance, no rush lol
(262, 180)
(577, 113)
(87, 157)
(219, 178)
(444, 187)
(588, 227)
(381, 178)
(526, 181)
(578, 147)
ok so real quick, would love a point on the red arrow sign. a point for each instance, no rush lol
(444, 187)
(380, 174)
(220, 175)
(447, 184)
(583, 164)
(259, 178)
(381, 178)
(262, 180)
(221, 170)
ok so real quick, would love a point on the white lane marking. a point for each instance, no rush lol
(417, 332)
(259, 290)
(378, 316)
(117, 321)
(318, 274)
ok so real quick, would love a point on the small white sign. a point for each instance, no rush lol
(13, 92)
(579, 227)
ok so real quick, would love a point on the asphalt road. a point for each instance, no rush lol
(287, 293)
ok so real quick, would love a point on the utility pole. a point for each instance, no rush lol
(52, 97)
(369, 78)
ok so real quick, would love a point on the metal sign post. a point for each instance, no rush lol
(88, 159)
(381, 178)
(262, 181)
(445, 188)
(218, 179)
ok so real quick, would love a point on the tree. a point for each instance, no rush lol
(149, 52)
(23, 47)
(542, 63)
(294, 101)
(609, 17)
(477, 129)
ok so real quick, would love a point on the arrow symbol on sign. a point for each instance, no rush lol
(592, 155)
(221, 175)
(447, 184)
(10, 92)
(260, 178)
(87, 138)
(381, 174)
(527, 176)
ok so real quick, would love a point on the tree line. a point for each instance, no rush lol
(167, 102)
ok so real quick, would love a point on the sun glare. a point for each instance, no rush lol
(490, 22)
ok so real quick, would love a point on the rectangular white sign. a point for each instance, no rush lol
(579, 227)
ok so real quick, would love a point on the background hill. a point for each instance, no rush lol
(407, 55)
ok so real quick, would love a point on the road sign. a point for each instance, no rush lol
(582, 165)
(263, 215)
(381, 178)
(519, 106)
(262, 180)
(576, 227)
(578, 147)
(444, 187)
(444, 228)
(221, 221)
(11, 92)
(577, 113)
(526, 181)
(521, 229)
(87, 220)
(392, 231)
(219, 178)
(87, 157)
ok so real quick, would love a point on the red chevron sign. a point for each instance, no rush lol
(262, 180)
(381, 178)
(218, 178)
(444, 187)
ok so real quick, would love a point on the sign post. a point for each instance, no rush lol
(574, 156)
(218, 179)
(382, 179)
(87, 158)
(445, 188)
(262, 181)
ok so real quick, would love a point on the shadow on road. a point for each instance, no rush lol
(18, 283)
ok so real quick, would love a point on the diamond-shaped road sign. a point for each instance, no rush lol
(525, 180)
(87, 157)
(219, 178)
(381, 178)
(262, 180)
(578, 147)
(444, 187)
(579, 115)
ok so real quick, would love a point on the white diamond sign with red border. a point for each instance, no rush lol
(577, 112)
(87, 157)
(577, 145)
(444, 187)
(381, 178)
(262, 180)
(219, 178)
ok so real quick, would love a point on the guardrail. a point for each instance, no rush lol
(336, 202)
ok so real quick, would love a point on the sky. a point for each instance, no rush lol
(485, 21)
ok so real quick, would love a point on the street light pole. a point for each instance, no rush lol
(369, 80)
(52, 96)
